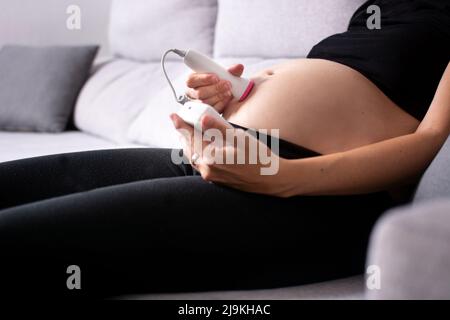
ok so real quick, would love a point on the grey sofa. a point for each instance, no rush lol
(126, 102)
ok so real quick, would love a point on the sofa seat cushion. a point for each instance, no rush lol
(351, 288)
(15, 145)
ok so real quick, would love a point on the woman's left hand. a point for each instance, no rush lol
(210, 157)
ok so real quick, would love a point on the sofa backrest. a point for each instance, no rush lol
(142, 29)
(278, 29)
(435, 182)
(43, 23)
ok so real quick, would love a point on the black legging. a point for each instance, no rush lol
(135, 222)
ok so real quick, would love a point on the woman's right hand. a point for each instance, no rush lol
(209, 89)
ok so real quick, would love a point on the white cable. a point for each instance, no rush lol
(180, 99)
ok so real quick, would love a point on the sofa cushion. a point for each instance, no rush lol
(19, 145)
(152, 127)
(39, 85)
(351, 288)
(284, 28)
(435, 182)
(114, 96)
(143, 30)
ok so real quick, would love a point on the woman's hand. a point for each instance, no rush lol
(247, 176)
(209, 89)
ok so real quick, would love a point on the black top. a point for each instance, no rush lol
(406, 58)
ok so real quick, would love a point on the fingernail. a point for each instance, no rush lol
(229, 86)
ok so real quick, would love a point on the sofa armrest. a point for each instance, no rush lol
(411, 248)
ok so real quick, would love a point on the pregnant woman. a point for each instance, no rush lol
(359, 121)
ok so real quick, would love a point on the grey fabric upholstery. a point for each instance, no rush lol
(411, 246)
(435, 182)
(39, 85)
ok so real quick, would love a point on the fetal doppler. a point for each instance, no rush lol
(192, 111)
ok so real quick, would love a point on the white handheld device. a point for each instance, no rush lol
(193, 111)
(198, 62)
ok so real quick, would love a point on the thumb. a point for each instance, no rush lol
(236, 70)
(184, 128)
(209, 122)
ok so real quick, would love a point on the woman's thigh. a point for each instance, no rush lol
(39, 178)
(183, 233)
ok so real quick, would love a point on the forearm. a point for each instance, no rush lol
(366, 169)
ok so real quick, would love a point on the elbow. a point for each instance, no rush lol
(436, 137)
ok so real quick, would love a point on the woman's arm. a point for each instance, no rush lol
(374, 167)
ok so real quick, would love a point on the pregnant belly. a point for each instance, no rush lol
(320, 105)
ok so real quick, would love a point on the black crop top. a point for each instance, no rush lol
(406, 58)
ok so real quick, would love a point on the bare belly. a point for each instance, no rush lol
(320, 105)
